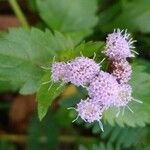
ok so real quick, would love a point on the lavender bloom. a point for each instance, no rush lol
(81, 70)
(104, 89)
(118, 45)
(89, 111)
(58, 71)
(121, 70)
(124, 95)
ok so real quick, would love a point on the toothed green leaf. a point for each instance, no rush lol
(22, 53)
(46, 94)
(69, 17)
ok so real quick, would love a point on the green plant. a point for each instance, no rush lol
(73, 27)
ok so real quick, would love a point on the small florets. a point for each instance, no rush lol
(124, 95)
(58, 71)
(104, 88)
(118, 45)
(81, 70)
(89, 111)
(122, 70)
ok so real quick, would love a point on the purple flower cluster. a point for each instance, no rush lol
(81, 71)
(118, 45)
(118, 48)
(58, 71)
(121, 69)
(89, 110)
(105, 89)
(124, 95)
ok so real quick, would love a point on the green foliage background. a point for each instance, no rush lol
(65, 29)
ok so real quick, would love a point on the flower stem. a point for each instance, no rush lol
(43, 139)
(17, 10)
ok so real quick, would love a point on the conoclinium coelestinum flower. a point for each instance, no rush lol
(119, 45)
(121, 69)
(124, 95)
(58, 71)
(81, 71)
(104, 88)
(90, 111)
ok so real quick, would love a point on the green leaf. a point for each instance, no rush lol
(71, 101)
(42, 135)
(120, 138)
(62, 116)
(101, 146)
(4, 145)
(82, 147)
(22, 53)
(108, 15)
(45, 96)
(86, 49)
(134, 16)
(6, 86)
(32, 5)
(123, 138)
(51, 131)
(33, 134)
(75, 18)
(141, 85)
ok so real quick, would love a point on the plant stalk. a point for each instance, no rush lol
(18, 12)
(21, 139)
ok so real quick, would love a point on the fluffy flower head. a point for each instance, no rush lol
(58, 71)
(104, 88)
(81, 70)
(118, 45)
(122, 70)
(124, 95)
(89, 111)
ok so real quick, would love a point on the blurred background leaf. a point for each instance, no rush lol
(131, 15)
(42, 135)
(4, 145)
(74, 18)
